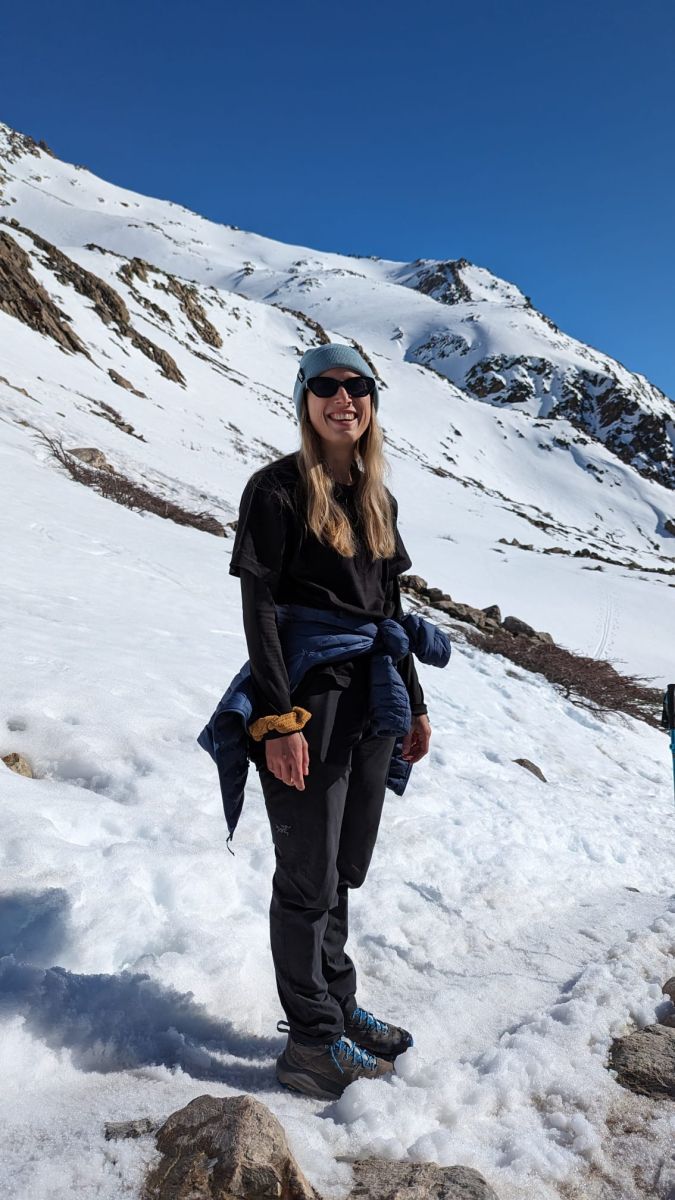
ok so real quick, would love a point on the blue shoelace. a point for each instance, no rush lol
(366, 1021)
(354, 1054)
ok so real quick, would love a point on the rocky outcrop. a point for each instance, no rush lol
(25, 299)
(521, 629)
(508, 378)
(111, 414)
(188, 298)
(487, 619)
(318, 330)
(13, 146)
(634, 421)
(124, 383)
(227, 1148)
(186, 294)
(442, 280)
(601, 405)
(107, 303)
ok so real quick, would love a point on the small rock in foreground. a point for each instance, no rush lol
(381, 1179)
(18, 764)
(645, 1061)
(115, 1130)
(226, 1148)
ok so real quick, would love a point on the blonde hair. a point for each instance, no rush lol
(325, 517)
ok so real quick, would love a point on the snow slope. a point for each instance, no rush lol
(515, 926)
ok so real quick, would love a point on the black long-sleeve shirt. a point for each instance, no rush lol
(279, 560)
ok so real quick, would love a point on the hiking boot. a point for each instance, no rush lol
(324, 1071)
(385, 1041)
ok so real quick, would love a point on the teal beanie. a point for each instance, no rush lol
(321, 358)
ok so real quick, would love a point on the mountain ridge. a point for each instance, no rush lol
(165, 302)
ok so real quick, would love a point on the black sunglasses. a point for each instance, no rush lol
(325, 386)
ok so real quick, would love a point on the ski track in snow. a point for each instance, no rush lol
(603, 648)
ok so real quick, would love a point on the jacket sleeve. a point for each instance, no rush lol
(405, 666)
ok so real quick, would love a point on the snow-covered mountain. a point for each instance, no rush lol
(504, 428)
(517, 926)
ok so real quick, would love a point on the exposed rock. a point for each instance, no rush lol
(124, 383)
(493, 613)
(115, 1130)
(530, 766)
(186, 294)
(442, 280)
(669, 527)
(25, 299)
(19, 764)
(230, 1148)
(373, 369)
(669, 988)
(382, 1179)
(413, 583)
(487, 619)
(107, 303)
(464, 612)
(623, 411)
(92, 456)
(600, 404)
(318, 330)
(137, 268)
(188, 298)
(111, 414)
(517, 627)
(645, 1061)
(514, 542)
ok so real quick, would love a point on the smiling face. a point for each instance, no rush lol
(340, 420)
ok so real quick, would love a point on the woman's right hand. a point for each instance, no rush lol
(287, 758)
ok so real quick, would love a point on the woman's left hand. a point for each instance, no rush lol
(416, 741)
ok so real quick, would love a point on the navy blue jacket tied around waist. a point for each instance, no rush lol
(310, 636)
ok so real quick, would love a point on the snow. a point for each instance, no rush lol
(515, 926)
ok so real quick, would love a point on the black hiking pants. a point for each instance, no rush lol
(324, 839)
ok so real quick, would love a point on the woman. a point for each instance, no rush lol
(317, 528)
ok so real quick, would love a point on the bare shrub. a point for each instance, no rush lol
(115, 486)
(591, 683)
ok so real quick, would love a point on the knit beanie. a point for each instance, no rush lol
(321, 358)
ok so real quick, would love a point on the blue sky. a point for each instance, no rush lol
(535, 138)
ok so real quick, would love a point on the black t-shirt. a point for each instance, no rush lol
(280, 561)
(275, 544)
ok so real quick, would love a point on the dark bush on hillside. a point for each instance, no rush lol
(117, 487)
(589, 682)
